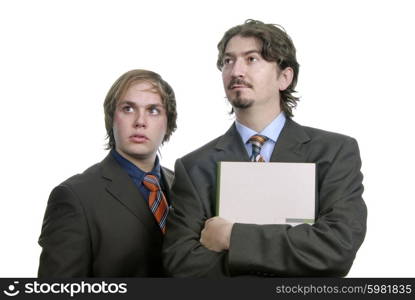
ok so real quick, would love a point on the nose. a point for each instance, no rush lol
(140, 119)
(238, 68)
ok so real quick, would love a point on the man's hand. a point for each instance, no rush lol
(216, 235)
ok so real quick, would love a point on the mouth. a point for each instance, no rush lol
(239, 84)
(139, 138)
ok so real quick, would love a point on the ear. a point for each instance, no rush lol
(285, 78)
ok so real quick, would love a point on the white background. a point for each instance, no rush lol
(59, 58)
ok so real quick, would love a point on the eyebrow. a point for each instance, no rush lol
(131, 103)
(122, 102)
(155, 105)
(244, 53)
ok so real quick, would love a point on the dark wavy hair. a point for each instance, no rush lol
(120, 87)
(276, 46)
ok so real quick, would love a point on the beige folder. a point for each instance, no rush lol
(267, 193)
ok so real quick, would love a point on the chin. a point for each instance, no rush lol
(241, 103)
(141, 152)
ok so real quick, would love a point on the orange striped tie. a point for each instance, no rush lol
(157, 201)
(257, 142)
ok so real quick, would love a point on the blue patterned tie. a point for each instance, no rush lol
(257, 142)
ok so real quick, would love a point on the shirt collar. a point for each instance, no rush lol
(134, 171)
(272, 131)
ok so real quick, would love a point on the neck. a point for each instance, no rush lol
(256, 118)
(144, 163)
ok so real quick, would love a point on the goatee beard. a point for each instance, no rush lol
(241, 103)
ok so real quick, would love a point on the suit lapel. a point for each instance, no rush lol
(121, 187)
(289, 146)
(167, 179)
(232, 146)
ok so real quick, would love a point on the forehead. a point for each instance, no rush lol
(239, 44)
(144, 90)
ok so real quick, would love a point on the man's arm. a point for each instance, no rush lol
(327, 248)
(64, 237)
(183, 254)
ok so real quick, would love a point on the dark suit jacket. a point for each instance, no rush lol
(327, 248)
(97, 224)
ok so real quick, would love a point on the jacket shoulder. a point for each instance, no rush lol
(87, 178)
(324, 136)
(327, 144)
(202, 152)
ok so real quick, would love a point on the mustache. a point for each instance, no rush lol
(238, 81)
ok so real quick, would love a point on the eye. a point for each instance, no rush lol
(227, 61)
(127, 108)
(252, 59)
(154, 110)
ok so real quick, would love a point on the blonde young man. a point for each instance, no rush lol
(101, 223)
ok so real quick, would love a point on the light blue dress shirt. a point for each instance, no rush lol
(272, 132)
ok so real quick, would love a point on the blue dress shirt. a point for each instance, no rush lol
(136, 174)
(272, 132)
